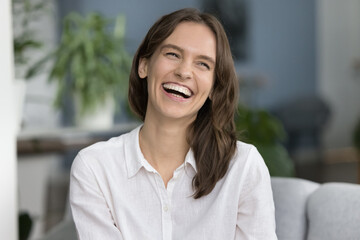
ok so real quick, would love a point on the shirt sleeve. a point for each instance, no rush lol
(90, 211)
(256, 211)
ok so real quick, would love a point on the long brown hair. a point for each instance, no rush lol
(212, 136)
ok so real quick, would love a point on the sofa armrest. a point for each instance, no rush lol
(290, 198)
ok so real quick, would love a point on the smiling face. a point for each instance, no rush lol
(180, 73)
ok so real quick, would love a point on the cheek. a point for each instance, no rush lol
(151, 77)
(161, 66)
(208, 83)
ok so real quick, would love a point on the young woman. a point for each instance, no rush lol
(181, 174)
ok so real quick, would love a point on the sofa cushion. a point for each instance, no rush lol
(334, 212)
(290, 197)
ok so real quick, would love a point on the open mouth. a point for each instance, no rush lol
(177, 91)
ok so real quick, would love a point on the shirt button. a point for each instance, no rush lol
(165, 208)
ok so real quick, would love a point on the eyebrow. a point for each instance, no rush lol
(205, 57)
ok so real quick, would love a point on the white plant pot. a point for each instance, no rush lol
(101, 118)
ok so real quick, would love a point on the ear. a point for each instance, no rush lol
(210, 96)
(142, 70)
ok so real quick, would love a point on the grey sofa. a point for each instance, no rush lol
(304, 210)
(312, 211)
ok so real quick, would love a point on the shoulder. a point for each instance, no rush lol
(244, 148)
(248, 160)
(103, 148)
(246, 153)
(247, 173)
(105, 153)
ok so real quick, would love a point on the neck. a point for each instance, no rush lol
(163, 144)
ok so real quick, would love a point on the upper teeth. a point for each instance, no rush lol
(178, 88)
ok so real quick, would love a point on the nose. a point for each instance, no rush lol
(184, 70)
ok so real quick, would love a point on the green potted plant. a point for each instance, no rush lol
(25, 13)
(25, 40)
(264, 131)
(92, 64)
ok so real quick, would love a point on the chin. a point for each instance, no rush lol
(178, 115)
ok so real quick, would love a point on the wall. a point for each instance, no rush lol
(338, 46)
(140, 14)
(282, 49)
(8, 183)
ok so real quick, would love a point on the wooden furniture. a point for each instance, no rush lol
(60, 140)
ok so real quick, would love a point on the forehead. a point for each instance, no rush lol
(197, 38)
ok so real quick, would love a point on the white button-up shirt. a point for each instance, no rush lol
(116, 194)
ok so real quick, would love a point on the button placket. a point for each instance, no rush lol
(165, 195)
(165, 208)
(166, 215)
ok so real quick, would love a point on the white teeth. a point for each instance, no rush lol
(178, 88)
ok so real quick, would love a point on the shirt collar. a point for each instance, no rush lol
(190, 159)
(133, 154)
(136, 160)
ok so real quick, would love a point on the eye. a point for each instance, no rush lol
(204, 65)
(172, 54)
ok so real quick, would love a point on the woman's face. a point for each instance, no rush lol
(180, 73)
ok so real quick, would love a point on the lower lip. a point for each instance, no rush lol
(175, 98)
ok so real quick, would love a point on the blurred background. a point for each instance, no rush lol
(298, 64)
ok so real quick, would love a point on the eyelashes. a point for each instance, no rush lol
(174, 55)
(204, 65)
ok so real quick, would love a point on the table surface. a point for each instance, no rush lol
(35, 141)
